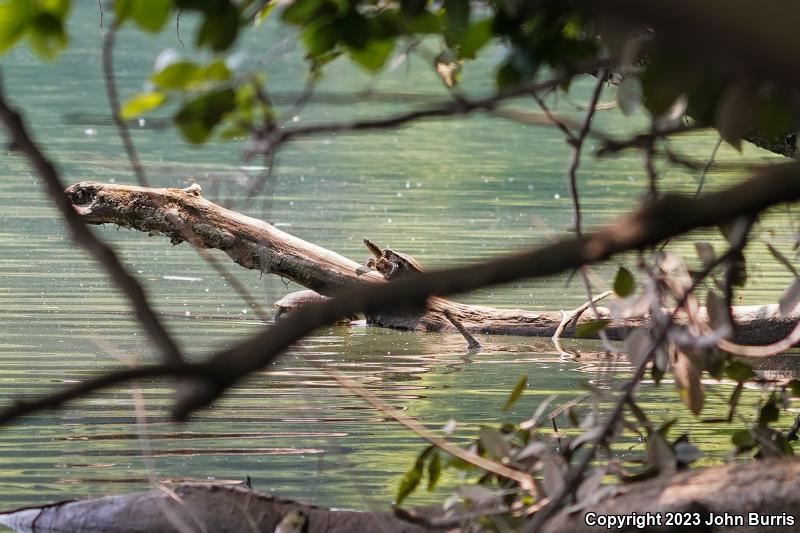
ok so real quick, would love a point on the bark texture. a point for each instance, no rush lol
(768, 488)
(196, 508)
(183, 214)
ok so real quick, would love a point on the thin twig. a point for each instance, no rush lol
(642, 140)
(524, 480)
(100, 7)
(708, 166)
(648, 155)
(113, 101)
(573, 316)
(472, 343)
(178, 27)
(265, 141)
(552, 118)
(577, 149)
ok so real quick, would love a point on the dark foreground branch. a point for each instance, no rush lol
(22, 141)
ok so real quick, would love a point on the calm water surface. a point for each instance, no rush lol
(444, 191)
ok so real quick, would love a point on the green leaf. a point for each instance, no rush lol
(264, 12)
(57, 8)
(412, 7)
(475, 38)
(151, 15)
(769, 413)
(739, 371)
(141, 104)
(457, 15)
(321, 37)
(519, 388)
(185, 75)
(300, 12)
(374, 55)
(424, 23)
(623, 282)
(495, 443)
(743, 439)
(412, 478)
(219, 28)
(434, 470)
(508, 76)
(794, 387)
(14, 18)
(409, 482)
(591, 328)
(123, 9)
(47, 36)
(178, 75)
(198, 117)
(687, 378)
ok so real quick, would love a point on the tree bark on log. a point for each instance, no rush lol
(183, 214)
(195, 507)
(770, 488)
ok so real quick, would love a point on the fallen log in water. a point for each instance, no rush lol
(196, 507)
(760, 492)
(255, 244)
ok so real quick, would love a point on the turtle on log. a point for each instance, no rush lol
(390, 263)
(300, 298)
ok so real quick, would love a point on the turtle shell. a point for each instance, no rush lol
(296, 299)
(404, 261)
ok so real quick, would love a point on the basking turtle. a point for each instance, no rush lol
(300, 298)
(390, 263)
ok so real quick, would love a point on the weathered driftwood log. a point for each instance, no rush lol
(195, 507)
(769, 489)
(183, 214)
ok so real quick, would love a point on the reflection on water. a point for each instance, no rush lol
(445, 192)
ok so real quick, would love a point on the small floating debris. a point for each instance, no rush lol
(181, 278)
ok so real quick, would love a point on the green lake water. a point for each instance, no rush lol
(446, 191)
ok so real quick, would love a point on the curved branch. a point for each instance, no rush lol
(762, 351)
(104, 254)
(265, 141)
(113, 102)
(55, 400)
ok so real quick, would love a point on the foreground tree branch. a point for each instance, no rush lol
(103, 254)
